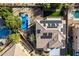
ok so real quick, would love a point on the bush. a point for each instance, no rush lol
(69, 52)
(15, 37)
(32, 37)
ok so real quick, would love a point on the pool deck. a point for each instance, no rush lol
(70, 21)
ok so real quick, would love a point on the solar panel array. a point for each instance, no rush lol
(46, 36)
(51, 24)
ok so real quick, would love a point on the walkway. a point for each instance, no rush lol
(6, 49)
(26, 44)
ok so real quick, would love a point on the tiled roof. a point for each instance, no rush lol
(19, 4)
(15, 51)
(56, 30)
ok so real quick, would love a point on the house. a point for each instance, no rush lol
(16, 50)
(73, 13)
(20, 4)
(76, 6)
(75, 43)
(50, 33)
(73, 18)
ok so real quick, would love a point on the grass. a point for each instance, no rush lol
(52, 14)
(56, 14)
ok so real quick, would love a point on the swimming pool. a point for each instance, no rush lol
(76, 14)
(4, 32)
(24, 19)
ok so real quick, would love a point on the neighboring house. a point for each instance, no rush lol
(20, 4)
(16, 50)
(73, 18)
(50, 33)
(76, 6)
(75, 43)
(73, 13)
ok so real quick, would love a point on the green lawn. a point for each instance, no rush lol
(52, 14)
(56, 14)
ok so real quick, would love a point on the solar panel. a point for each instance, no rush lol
(51, 24)
(38, 31)
(50, 34)
(46, 36)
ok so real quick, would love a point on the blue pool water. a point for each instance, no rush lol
(76, 14)
(24, 19)
(4, 32)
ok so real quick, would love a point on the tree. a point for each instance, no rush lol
(47, 5)
(15, 37)
(5, 11)
(50, 6)
(31, 37)
(13, 22)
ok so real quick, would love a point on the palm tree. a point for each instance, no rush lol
(32, 39)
